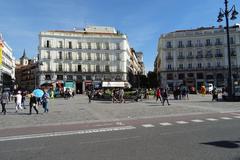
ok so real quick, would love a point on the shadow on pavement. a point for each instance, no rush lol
(224, 144)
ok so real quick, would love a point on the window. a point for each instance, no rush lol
(208, 42)
(199, 65)
(189, 43)
(59, 77)
(60, 67)
(180, 44)
(60, 55)
(181, 76)
(107, 57)
(89, 56)
(48, 55)
(169, 66)
(79, 45)
(170, 76)
(89, 45)
(98, 46)
(118, 46)
(231, 40)
(79, 56)
(107, 46)
(69, 77)
(70, 45)
(218, 41)
(199, 75)
(180, 66)
(60, 44)
(98, 56)
(209, 64)
(47, 77)
(199, 44)
(218, 64)
(190, 65)
(97, 68)
(107, 69)
(169, 45)
(48, 44)
(69, 56)
(191, 75)
(180, 54)
(79, 68)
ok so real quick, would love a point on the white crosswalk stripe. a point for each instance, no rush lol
(148, 125)
(236, 116)
(165, 124)
(211, 119)
(226, 118)
(197, 120)
(181, 122)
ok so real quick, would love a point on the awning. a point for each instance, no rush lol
(116, 84)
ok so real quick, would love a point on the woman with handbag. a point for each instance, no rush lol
(33, 104)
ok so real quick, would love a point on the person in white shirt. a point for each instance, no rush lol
(18, 101)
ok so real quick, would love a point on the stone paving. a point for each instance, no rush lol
(78, 110)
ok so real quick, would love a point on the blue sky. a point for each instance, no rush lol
(143, 21)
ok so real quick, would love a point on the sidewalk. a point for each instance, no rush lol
(78, 110)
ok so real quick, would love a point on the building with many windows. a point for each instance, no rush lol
(26, 70)
(7, 65)
(85, 56)
(197, 56)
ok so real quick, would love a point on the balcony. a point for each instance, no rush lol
(169, 46)
(190, 56)
(181, 57)
(218, 55)
(218, 43)
(199, 56)
(233, 54)
(208, 44)
(199, 45)
(209, 55)
(169, 58)
(189, 45)
(180, 46)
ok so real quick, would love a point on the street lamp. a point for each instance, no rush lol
(37, 64)
(225, 14)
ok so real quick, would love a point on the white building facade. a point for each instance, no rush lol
(197, 56)
(7, 65)
(87, 56)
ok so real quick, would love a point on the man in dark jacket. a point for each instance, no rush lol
(33, 104)
(165, 97)
(4, 101)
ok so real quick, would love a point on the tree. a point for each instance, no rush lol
(152, 79)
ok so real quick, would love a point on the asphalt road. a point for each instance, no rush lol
(194, 141)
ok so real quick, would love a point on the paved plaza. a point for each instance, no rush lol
(78, 110)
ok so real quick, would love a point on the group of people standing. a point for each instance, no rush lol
(34, 102)
(162, 95)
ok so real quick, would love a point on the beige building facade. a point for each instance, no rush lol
(198, 56)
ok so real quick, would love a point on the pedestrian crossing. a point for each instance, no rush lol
(181, 122)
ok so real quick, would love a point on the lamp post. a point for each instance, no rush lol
(37, 64)
(225, 14)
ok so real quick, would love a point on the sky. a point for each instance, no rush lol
(143, 21)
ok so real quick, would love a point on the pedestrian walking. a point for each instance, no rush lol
(158, 95)
(165, 97)
(121, 96)
(214, 94)
(89, 94)
(18, 101)
(33, 104)
(4, 101)
(45, 99)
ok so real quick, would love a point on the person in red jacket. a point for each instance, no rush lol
(158, 95)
